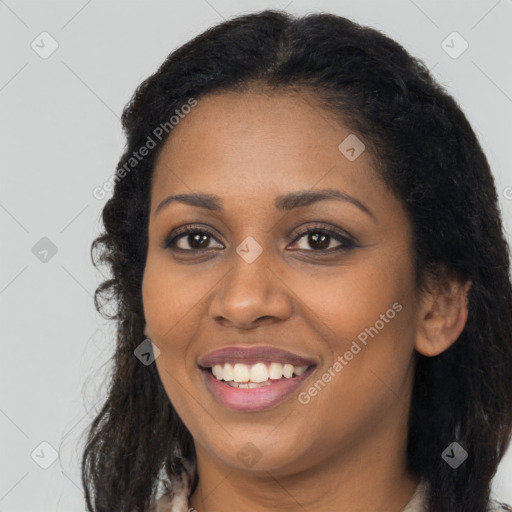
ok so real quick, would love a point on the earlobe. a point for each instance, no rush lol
(443, 314)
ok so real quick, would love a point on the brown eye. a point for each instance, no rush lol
(191, 240)
(322, 239)
(319, 240)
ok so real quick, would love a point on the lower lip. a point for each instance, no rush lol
(255, 399)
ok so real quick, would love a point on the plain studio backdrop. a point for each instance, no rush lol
(68, 68)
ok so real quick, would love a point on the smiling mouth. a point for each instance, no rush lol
(252, 376)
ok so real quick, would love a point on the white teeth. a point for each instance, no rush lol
(228, 372)
(298, 370)
(259, 372)
(250, 376)
(218, 371)
(288, 371)
(248, 385)
(241, 373)
(275, 370)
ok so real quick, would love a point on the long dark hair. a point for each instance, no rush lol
(427, 153)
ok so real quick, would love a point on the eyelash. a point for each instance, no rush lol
(346, 242)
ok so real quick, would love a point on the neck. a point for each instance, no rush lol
(368, 475)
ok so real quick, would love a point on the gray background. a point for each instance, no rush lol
(61, 138)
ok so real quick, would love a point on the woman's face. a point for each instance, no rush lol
(261, 272)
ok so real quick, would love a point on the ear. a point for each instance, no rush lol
(443, 313)
(146, 331)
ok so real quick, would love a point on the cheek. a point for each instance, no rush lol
(170, 303)
(165, 311)
(368, 317)
(365, 314)
(172, 300)
(351, 299)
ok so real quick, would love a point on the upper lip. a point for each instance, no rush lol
(253, 355)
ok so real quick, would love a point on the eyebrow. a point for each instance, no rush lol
(283, 203)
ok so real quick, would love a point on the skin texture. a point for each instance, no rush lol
(345, 449)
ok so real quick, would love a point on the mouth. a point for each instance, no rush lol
(244, 376)
(253, 378)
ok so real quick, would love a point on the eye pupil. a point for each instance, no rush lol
(320, 241)
(199, 241)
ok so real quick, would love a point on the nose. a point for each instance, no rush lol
(251, 294)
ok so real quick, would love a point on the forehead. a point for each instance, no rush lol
(259, 143)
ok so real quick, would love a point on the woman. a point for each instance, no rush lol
(311, 279)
